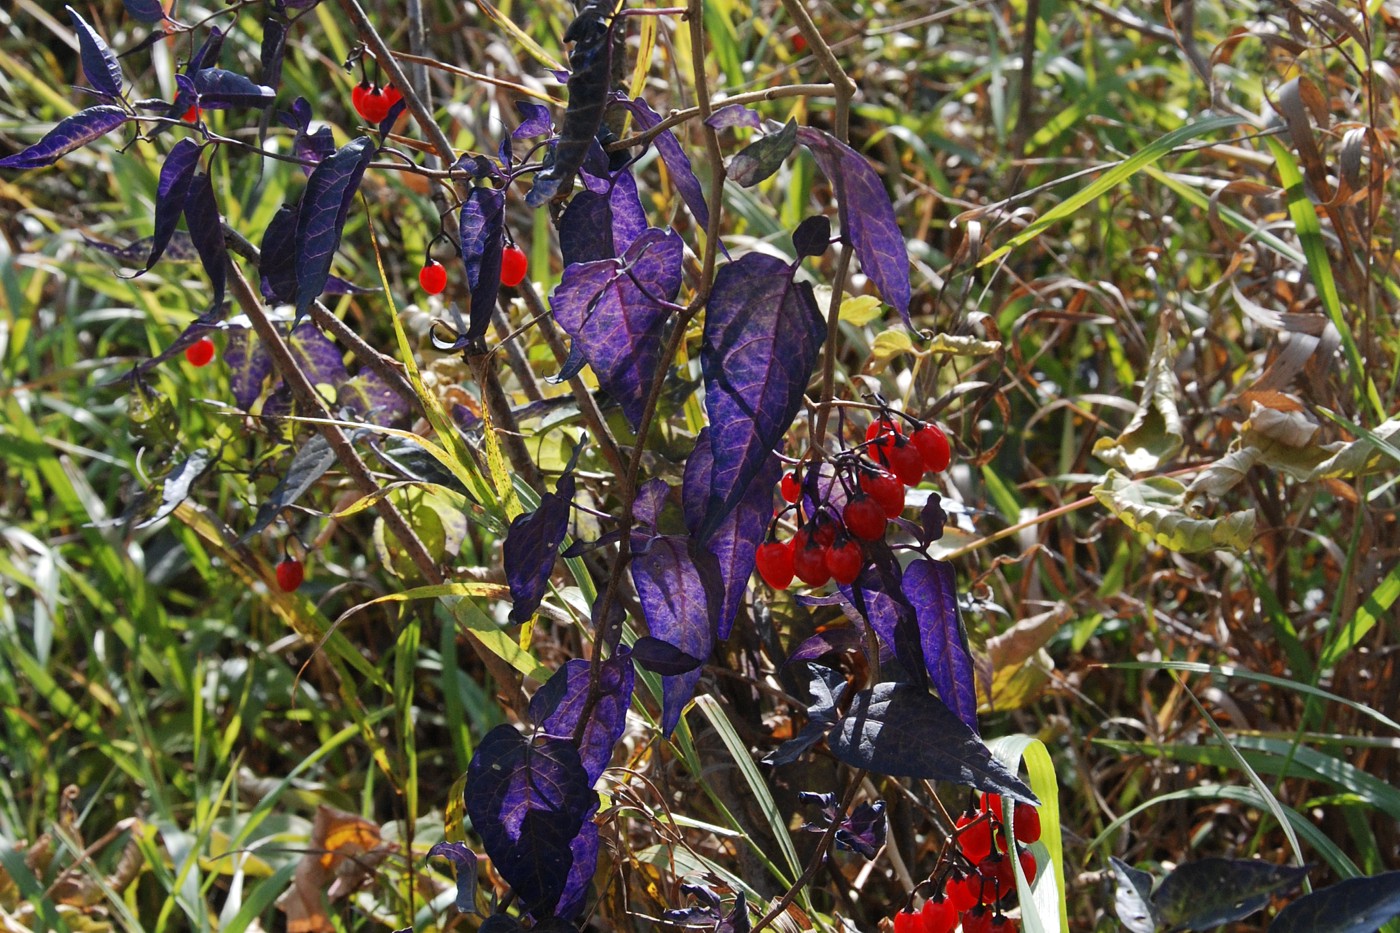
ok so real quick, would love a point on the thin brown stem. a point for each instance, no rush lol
(753, 97)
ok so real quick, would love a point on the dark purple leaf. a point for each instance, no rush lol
(629, 220)
(387, 124)
(207, 231)
(1132, 899)
(580, 548)
(207, 55)
(277, 261)
(678, 608)
(932, 518)
(650, 500)
(905, 731)
(878, 595)
(839, 639)
(735, 542)
(202, 326)
(274, 47)
(500, 923)
(677, 163)
(874, 231)
(613, 309)
(527, 798)
(586, 230)
(812, 237)
(1203, 894)
(321, 219)
(483, 235)
(594, 170)
(1356, 905)
(557, 706)
(335, 285)
(734, 115)
(931, 588)
(662, 657)
(309, 465)
(70, 133)
(463, 862)
(179, 249)
(369, 396)
(763, 333)
(862, 831)
(223, 90)
(317, 356)
(171, 194)
(764, 156)
(248, 363)
(100, 65)
(534, 120)
(826, 685)
(531, 546)
(584, 850)
(144, 11)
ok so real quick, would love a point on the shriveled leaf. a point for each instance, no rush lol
(308, 466)
(931, 588)
(171, 193)
(558, 705)
(321, 218)
(207, 231)
(874, 231)
(1203, 894)
(764, 156)
(1132, 898)
(482, 228)
(248, 364)
(463, 862)
(1156, 506)
(343, 850)
(272, 50)
(175, 487)
(100, 65)
(71, 133)
(862, 830)
(219, 89)
(1356, 905)
(1020, 664)
(905, 731)
(532, 545)
(612, 309)
(762, 335)
(1154, 434)
(527, 798)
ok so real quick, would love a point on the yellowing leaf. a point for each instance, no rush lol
(889, 344)
(861, 309)
(962, 345)
(1153, 436)
(1157, 507)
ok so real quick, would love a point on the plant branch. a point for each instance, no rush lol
(753, 97)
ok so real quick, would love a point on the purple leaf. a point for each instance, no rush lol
(277, 261)
(171, 194)
(812, 237)
(70, 133)
(369, 396)
(463, 862)
(762, 157)
(534, 120)
(677, 604)
(862, 830)
(629, 220)
(662, 657)
(317, 356)
(734, 115)
(202, 326)
(677, 163)
(248, 363)
(335, 285)
(931, 588)
(762, 336)
(531, 546)
(584, 850)
(613, 309)
(527, 798)
(586, 229)
(874, 231)
(557, 706)
(321, 219)
(100, 65)
(1356, 905)
(649, 501)
(483, 235)
(838, 639)
(1206, 893)
(736, 540)
(207, 231)
(207, 55)
(878, 595)
(826, 686)
(144, 11)
(308, 465)
(905, 731)
(179, 249)
(274, 47)
(223, 90)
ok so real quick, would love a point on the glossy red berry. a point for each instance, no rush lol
(991, 803)
(933, 446)
(844, 560)
(191, 115)
(963, 890)
(433, 277)
(886, 489)
(864, 517)
(809, 559)
(392, 95)
(774, 562)
(974, 836)
(904, 461)
(1027, 824)
(357, 95)
(799, 43)
(939, 915)
(824, 531)
(789, 487)
(513, 266)
(881, 427)
(200, 353)
(374, 106)
(290, 574)
(977, 920)
(908, 923)
(1028, 865)
(1001, 877)
(1004, 924)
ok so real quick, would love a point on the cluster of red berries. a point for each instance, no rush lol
(873, 477)
(374, 102)
(433, 275)
(982, 881)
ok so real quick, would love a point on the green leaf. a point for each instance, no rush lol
(1157, 507)
(1049, 911)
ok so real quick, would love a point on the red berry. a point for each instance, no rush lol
(374, 106)
(977, 920)
(392, 95)
(904, 460)
(357, 95)
(844, 560)
(974, 836)
(824, 531)
(809, 559)
(789, 487)
(991, 803)
(1001, 877)
(1005, 924)
(907, 923)
(200, 353)
(1028, 865)
(290, 573)
(864, 517)
(774, 562)
(963, 890)
(191, 115)
(799, 43)
(939, 915)
(433, 277)
(886, 489)
(933, 447)
(1027, 823)
(513, 266)
(881, 427)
